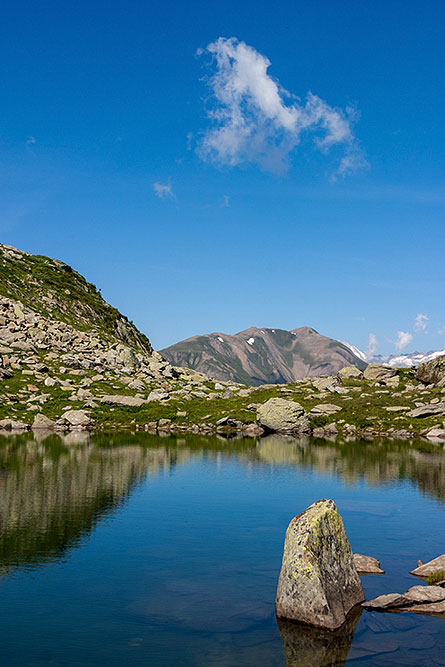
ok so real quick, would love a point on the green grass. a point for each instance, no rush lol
(434, 578)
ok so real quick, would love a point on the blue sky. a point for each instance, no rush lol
(203, 190)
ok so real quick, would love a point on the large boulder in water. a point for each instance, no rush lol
(432, 372)
(318, 583)
(283, 416)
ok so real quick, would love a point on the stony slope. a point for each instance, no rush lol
(53, 289)
(74, 362)
(259, 356)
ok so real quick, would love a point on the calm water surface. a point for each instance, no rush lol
(160, 551)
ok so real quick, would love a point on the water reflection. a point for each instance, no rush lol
(202, 545)
(303, 645)
(54, 488)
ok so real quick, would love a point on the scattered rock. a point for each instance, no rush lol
(377, 373)
(325, 383)
(387, 601)
(318, 583)
(77, 418)
(350, 373)
(19, 426)
(283, 416)
(418, 599)
(427, 410)
(157, 395)
(432, 567)
(41, 421)
(367, 565)
(432, 372)
(436, 434)
(117, 400)
(325, 409)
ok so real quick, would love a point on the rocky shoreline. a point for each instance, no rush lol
(69, 361)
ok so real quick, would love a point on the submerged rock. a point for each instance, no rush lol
(318, 583)
(283, 416)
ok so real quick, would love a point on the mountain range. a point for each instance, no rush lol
(263, 356)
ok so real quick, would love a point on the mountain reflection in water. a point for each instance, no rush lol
(55, 490)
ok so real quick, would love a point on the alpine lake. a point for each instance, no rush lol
(149, 550)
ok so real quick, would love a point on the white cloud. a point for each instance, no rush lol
(420, 325)
(253, 119)
(373, 345)
(226, 200)
(163, 191)
(403, 339)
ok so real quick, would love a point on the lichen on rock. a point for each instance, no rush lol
(318, 582)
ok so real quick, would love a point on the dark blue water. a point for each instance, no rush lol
(144, 550)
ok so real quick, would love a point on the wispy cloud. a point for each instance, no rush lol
(226, 201)
(441, 331)
(373, 345)
(163, 191)
(403, 339)
(420, 324)
(30, 141)
(255, 120)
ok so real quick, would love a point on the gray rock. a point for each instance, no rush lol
(436, 434)
(432, 567)
(323, 383)
(41, 421)
(77, 418)
(325, 409)
(350, 372)
(432, 372)
(427, 410)
(126, 401)
(367, 565)
(157, 395)
(388, 601)
(128, 357)
(318, 581)
(377, 373)
(19, 426)
(282, 416)
(418, 599)
(425, 594)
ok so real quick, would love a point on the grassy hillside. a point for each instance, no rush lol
(56, 291)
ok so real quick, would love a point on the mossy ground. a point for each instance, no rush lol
(364, 407)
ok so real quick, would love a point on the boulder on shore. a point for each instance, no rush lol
(283, 416)
(318, 583)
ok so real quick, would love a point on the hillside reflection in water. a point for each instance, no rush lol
(166, 550)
